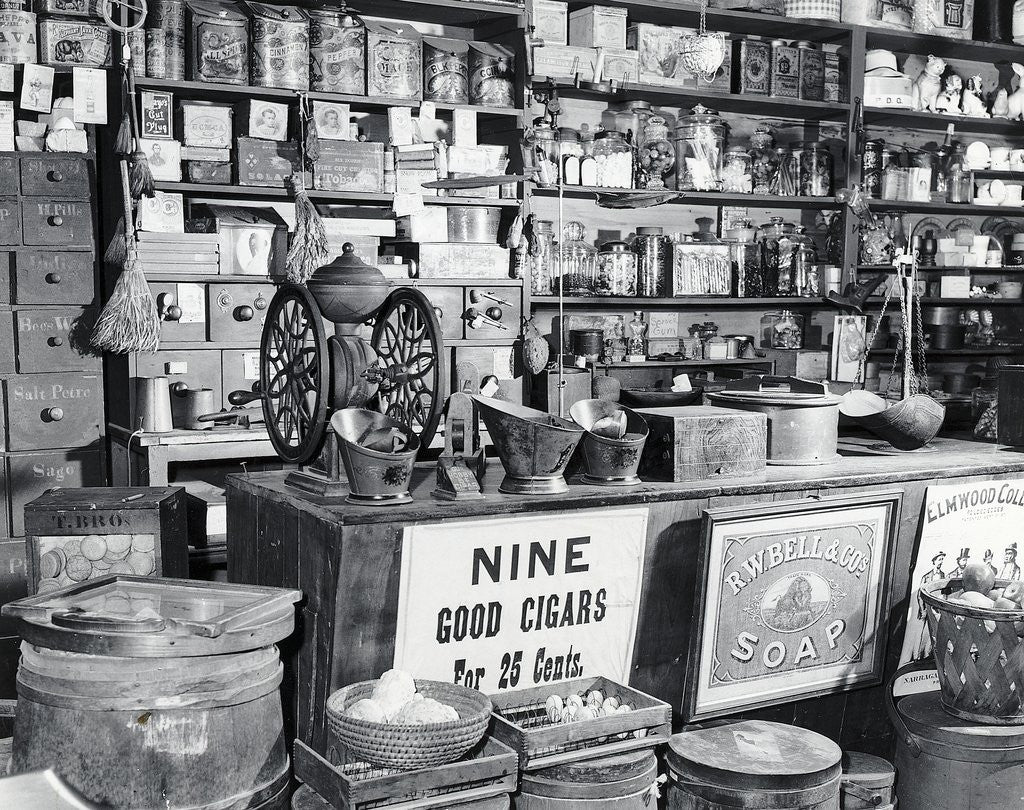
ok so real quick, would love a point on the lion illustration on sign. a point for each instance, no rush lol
(795, 601)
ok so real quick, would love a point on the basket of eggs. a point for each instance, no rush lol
(398, 722)
(976, 624)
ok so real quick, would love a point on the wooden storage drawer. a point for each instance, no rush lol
(237, 312)
(5, 504)
(9, 173)
(182, 309)
(448, 306)
(184, 370)
(13, 580)
(511, 315)
(53, 277)
(29, 475)
(56, 178)
(46, 411)
(6, 344)
(240, 370)
(6, 275)
(10, 222)
(60, 224)
(55, 340)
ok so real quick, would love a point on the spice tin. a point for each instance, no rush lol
(280, 46)
(165, 39)
(137, 45)
(65, 8)
(812, 72)
(445, 70)
(218, 42)
(833, 72)
(491, 75)
(337, 52)
(754, 75)
(785, 80)
(871, 169)
(73, 42)
(17, 37)
(393, 63)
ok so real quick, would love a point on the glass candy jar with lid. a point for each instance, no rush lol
(737, 171)
(578, 262)
(541, 257)
(764, 162)
(700, 142)
(783, 330)
(958, 177)
(816, 170)
(746, 261)
(571, 155)
(614, 157)
(769, 236)
(540, 144)
(653, 255)
(786, 180)
(628, 117)
(657, 156)
(616, 270)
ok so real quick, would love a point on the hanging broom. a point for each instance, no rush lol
(141, 177)
(308, 250)
(129, 321)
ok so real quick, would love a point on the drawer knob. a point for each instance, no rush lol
(179, 389)
(54, 414)
(439, 313)
(53, 278)
(172, 313)
(55, 341)
(244, 313)
(56, 221)
(55, 176)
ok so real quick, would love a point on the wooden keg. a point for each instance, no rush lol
(753, 765)
(945, 763)
(149, 693)
(306, 798)
(868, 782)
(621, 782)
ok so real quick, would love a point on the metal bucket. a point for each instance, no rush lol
(868, 782)
(610, 462)
(473, 223)
(374, 478)
(534, 447)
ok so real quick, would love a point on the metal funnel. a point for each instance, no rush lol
(375, 478)
(534, 446)
(610, 462)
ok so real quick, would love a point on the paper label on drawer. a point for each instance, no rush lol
(192, 302)
(251, 365)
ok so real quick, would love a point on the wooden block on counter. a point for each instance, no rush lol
(807, 364)
(700, 442)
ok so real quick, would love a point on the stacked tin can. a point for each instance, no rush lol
(165, 39)
(337, 52)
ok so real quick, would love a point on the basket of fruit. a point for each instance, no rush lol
(976, 624)
(398, 722)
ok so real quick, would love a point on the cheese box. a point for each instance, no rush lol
(205, 123)
(564, 61)
(266, 163)
(349, 166)
(266, 119)
(753, 66)
(550, 21)
(785, 77)
(452, 260)
(598, 27)
(76, 535)
(618, 65)
(73, 43)
(700, 442)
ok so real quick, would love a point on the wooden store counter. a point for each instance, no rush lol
(513, 591)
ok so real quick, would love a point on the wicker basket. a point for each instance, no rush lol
(411, 746)
(978, 655)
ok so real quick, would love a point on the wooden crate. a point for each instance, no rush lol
(520, 721)
(491, 770)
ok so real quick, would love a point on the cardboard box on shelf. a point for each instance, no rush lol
(598, 27)
(551, 21)
(564, 62)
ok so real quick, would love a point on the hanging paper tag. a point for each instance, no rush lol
(400, 125)
(6, 126)
(6, 77)
(90, 95)
(37, 88)
(405, 204)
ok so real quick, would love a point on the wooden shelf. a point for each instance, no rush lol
(699, 198)
(934, 122)
(947, 208)
(690, 302)
(984, 271)
(352, 197)
(722, 102)
(960, 302)
(737, 361)
(924, 44)
(986, 352)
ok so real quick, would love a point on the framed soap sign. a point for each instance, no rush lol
(793, 602)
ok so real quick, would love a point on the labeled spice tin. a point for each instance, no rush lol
(18, 37)
(812, 72)
(491, 75)
(755, 57)
(785, 78)
(73, 42)
(66, 8)
(337, 52)
(445, 70)
(393, 63)
(218, 42)
(280, 46)
(165, 39)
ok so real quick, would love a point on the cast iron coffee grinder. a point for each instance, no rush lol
(385, 354)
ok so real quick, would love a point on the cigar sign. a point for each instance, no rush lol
(521, 601)
(793, 603)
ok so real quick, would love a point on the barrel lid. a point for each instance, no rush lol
(925, 717)
(867, 770)
(769, 390)
(605, 769)
(754, 754)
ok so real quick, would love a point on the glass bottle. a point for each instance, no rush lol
(746, 261)
(628, 117)
(786, 330)
(616, 270)
(894, 176)
(541, 146)
(614, 158)
(804, 258)
(579, 262)
(657, 156)
(652, 250)
(764, 161)
(769, 236)
(816, 170)
(636, 345)
(785, 181)
(699, 142)
(958, 176)
(541, 257)
(737, 171)
(571, 153)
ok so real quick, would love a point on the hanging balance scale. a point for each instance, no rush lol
(386, 354)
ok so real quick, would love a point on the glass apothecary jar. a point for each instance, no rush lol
(769, 236)
(578, 262)
(737, 171)
(614, 158)
(540, 257)
(746, 262)
(764, 161)
(571, 155)
(616, 270)
(959, 186)
(787, 180)
(700, 143)
(652, 251)
(657, 155)
(782, 330)
(540, 148)
(816, 170)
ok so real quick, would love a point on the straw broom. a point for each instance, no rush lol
(308, 249)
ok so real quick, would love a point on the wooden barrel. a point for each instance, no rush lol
(306, 798)
(945, 763)
(753, 765)
(198, 733)
(867, 783)
(621, 782)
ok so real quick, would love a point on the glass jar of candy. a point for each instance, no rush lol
(699, 142)
(614, 158)
(746, 262)
(657, 156)
(786, 180)
(652, 251)
(737, 171)
(783, 330)
(769, 236)
(764, 162)
(579, 262)
(571, 152)
(816, 169)
(541, 257)
(616, 270)
(540, 144)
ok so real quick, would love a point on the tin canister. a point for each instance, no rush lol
(280, 46)
(393, 61)
(491, 75)
(165, 39)
(445, 70)
(18, 44)
(218, 41)
(337, 52)
(137, 43)
(871, 169)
